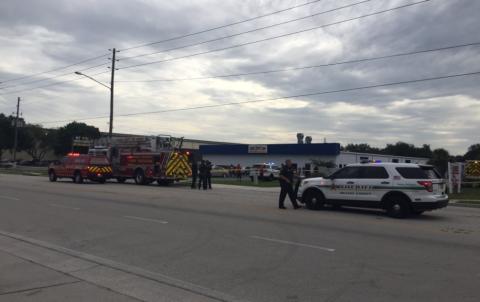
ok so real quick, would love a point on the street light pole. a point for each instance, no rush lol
(111, 88)
(112, 84)
(15, 139)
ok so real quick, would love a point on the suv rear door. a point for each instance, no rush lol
(424, 174)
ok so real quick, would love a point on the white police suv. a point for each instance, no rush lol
(400, 189)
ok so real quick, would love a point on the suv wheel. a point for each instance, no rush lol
(398, 207)
(77, 178)
(52, 176)
(314, 200)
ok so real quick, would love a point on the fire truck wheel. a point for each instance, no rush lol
(102, 180)
(140, 177)
(77, 177)
(52, 176)
(164, 182)
(121, 179)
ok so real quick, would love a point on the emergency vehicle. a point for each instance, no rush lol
(472, 169)
(400, 189)
(146, 159)
(79, 167)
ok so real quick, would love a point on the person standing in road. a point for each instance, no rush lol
(202, 175)
(194, 173)
(208, 175)
(286, 185)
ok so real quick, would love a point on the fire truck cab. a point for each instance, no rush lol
(79, 167)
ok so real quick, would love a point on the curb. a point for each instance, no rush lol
(464, 205)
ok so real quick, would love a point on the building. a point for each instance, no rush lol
(304, 155)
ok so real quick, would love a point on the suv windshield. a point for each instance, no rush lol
(421, 172)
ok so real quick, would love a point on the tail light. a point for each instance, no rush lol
(427, 185)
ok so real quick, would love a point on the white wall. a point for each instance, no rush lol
(346, 158)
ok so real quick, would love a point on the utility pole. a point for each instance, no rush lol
(112, 83)
(15, 138)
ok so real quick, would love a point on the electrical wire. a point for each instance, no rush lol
(52, 84)
(273, 37)
(220, 27)
(304, 67)
(273, 99)
(245, 32)
(54, 77)
(52, 70)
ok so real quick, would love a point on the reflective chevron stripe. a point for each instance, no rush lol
(178, 166)
(103, 170)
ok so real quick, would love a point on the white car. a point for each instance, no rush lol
(400, 189)
(265, 171)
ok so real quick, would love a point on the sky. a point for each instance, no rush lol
(48, 35)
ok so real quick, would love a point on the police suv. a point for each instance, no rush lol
(400, 189)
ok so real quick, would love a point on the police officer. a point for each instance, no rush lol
(202, 175)
(208, 174)
(194, 173)
(286, 185)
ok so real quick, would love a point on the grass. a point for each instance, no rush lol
(30, 171)
(467, 194)
(245, 182)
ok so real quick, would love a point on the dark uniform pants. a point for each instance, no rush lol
(286, 188)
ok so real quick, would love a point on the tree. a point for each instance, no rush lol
(362, 148)
(473, 152)
(36, 141)
(6, 133)
(440, 158)
(65, 135)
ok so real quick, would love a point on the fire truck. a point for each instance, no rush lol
(472, 169)
(145, 159)
(79, 167)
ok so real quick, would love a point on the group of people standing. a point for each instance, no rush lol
(202, 175)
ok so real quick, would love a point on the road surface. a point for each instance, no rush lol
(233, 244)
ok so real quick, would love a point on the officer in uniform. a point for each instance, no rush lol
(208, 174)
(286, 185)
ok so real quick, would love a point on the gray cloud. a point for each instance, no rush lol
(41, 35)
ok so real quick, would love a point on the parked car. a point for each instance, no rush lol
(7, 164)
(265, 171)
(220, 171)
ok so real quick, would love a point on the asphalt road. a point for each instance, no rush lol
(235, 241)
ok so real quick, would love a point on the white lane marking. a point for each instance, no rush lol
(63, 207)
(294, 243)
(9, 198)
(147, 219)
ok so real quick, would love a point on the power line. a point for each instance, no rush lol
(275, 37)
(52, 84)
(246, 32)
(220, 27)
(306, 67)
(274, 99)
(56, 69)
(53, 77)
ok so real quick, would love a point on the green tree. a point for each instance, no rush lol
(6, 133)
(473, 152)
(37, 141)
(440, 158)
(65, 135)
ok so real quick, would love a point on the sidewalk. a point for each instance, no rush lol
(34, 270)
(22, 280)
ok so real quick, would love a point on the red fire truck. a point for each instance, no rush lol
(145, 159)
(81, 166)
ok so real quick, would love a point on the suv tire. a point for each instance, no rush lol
(398, 206)
(314, 200)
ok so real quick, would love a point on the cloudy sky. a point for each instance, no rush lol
(43, 35)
